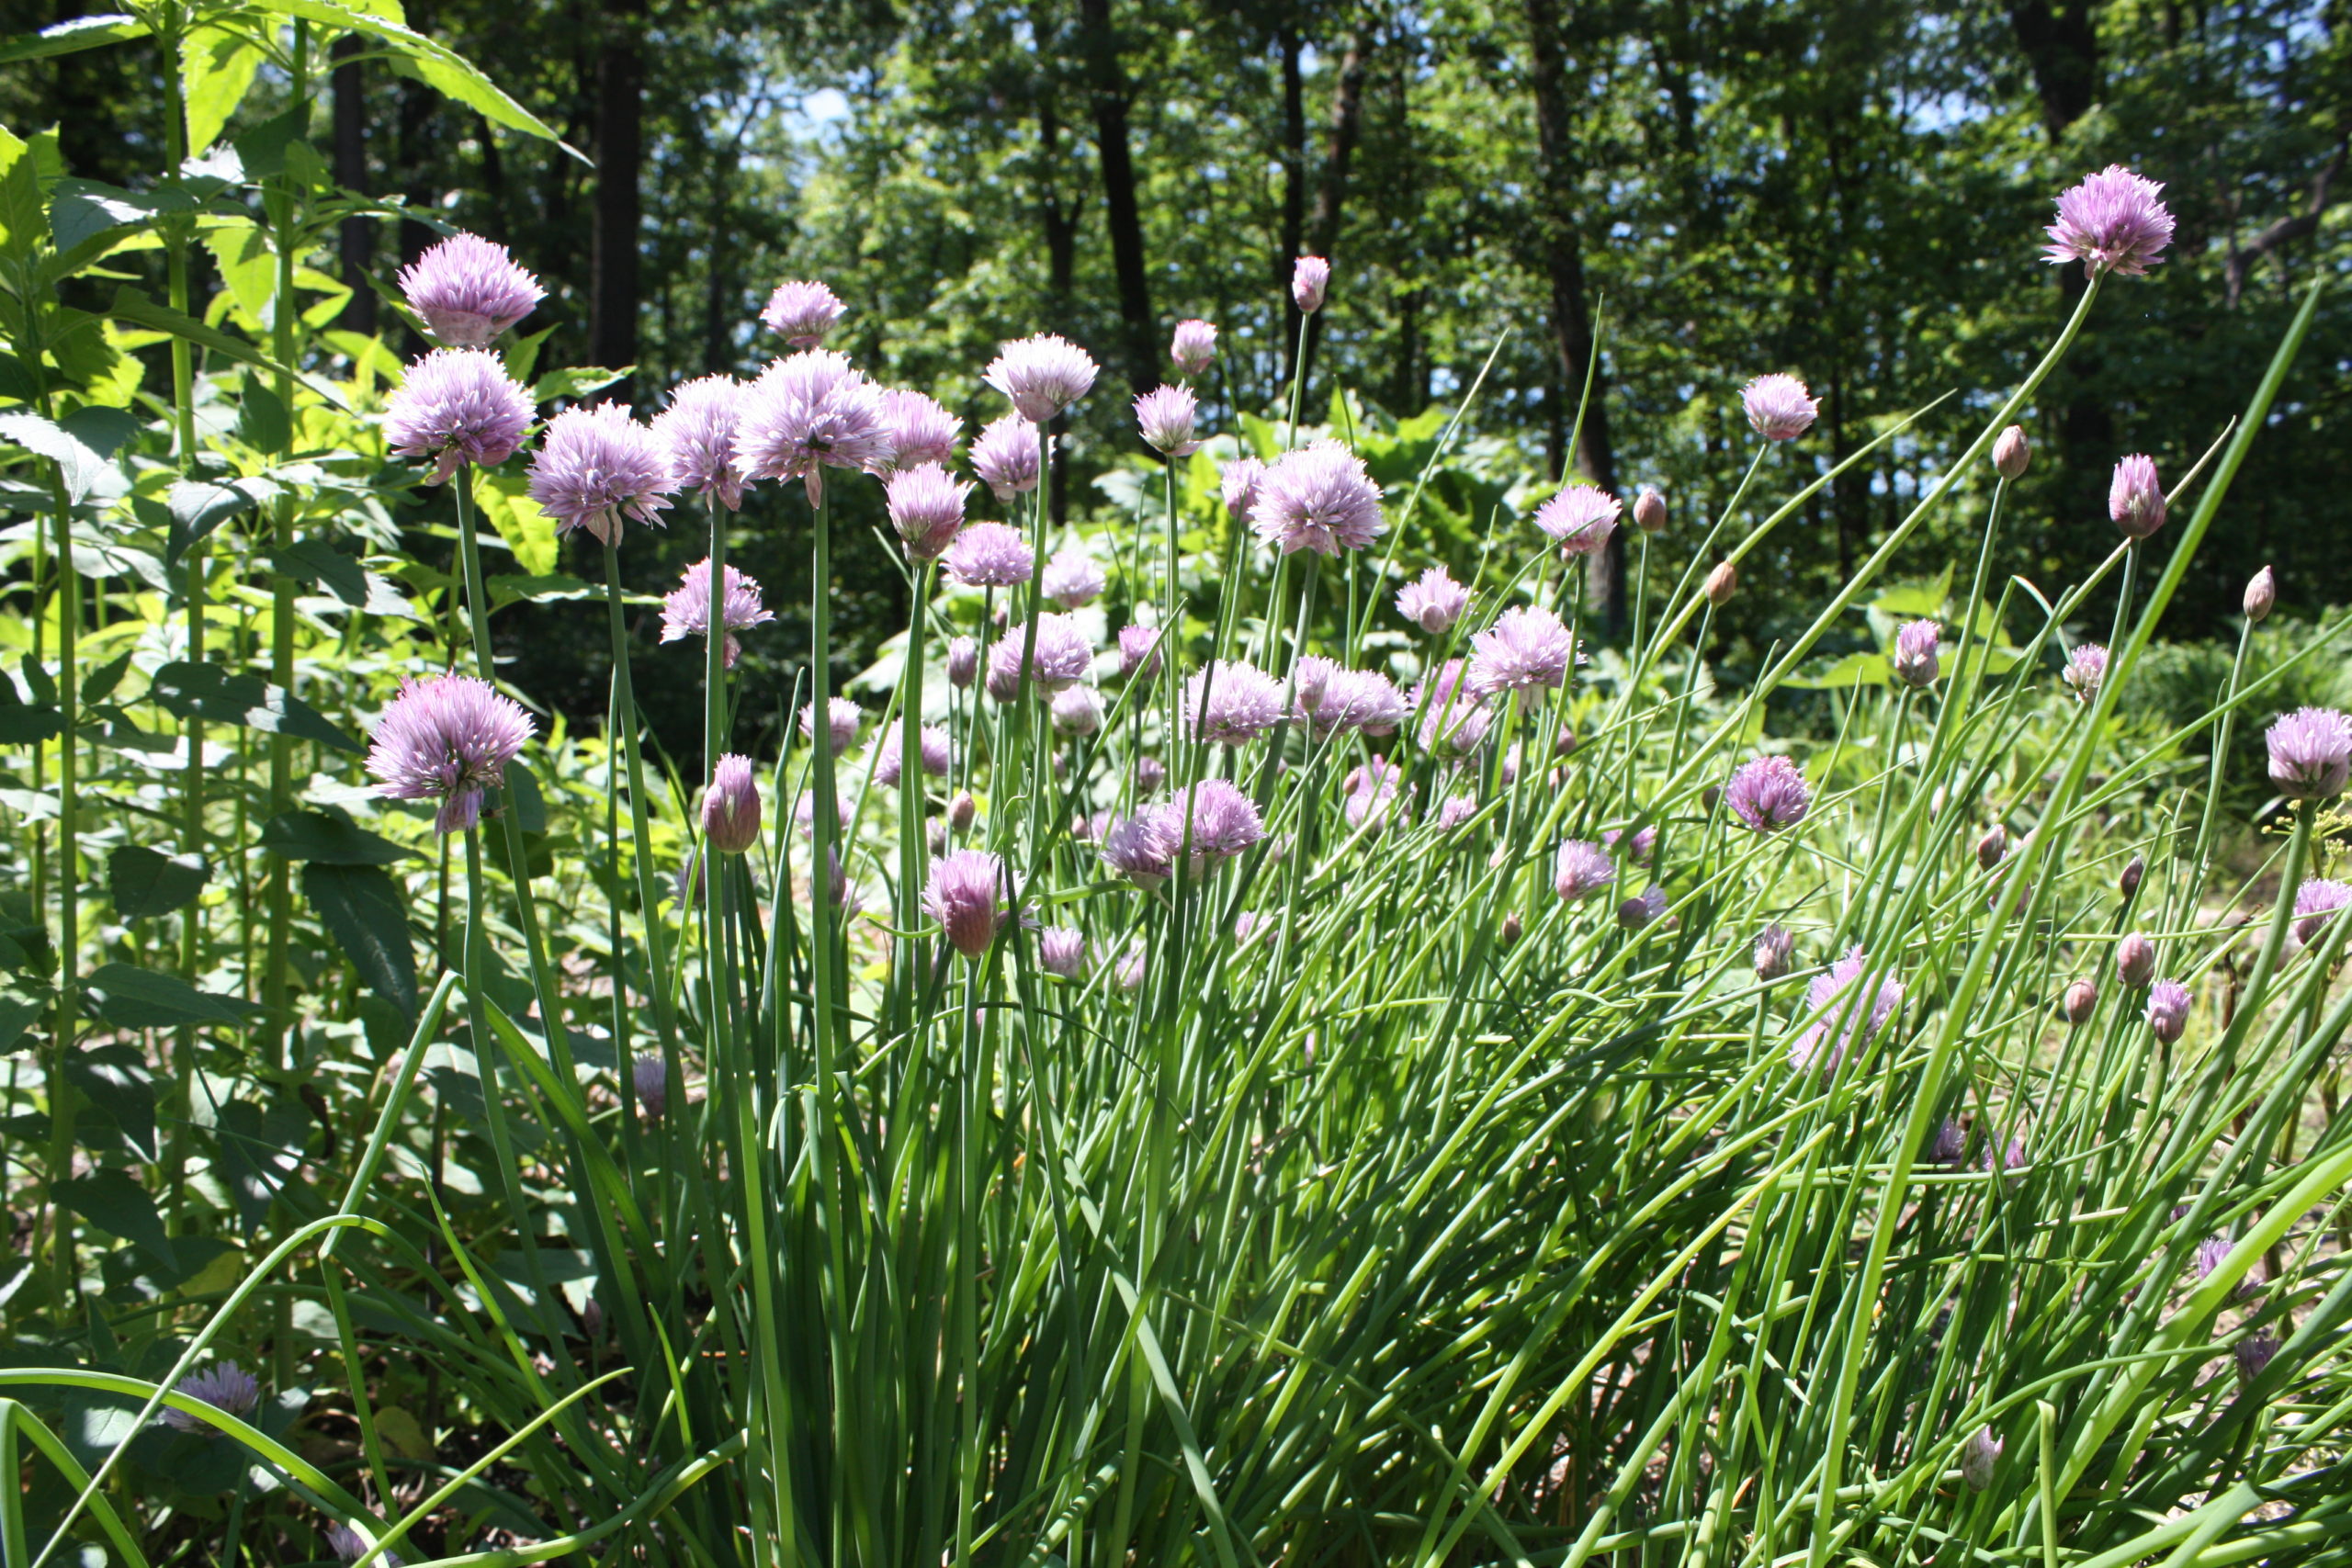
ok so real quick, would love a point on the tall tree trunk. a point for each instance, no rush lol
(1571, 313)
(1293, 160)
(1108, 81)
(355, 240)
(613, 284)
(1331, 194)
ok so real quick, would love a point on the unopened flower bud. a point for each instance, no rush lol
(2130, 881)
(649, 1077)
(2136, 961)
(963, 662)
(1721, 584)
(1566, 745)
(2081, 1001)
(961, 811)
(1510, 927)
(935, 836)
(1150, 773)
(1775, 948)
(1982, 1451)
(1643, 908)
(1711, 798)
(730, 807)
(2261, 595)
(1649, 510)
(1993, 848)
(2011, 453)
(2255, 1356)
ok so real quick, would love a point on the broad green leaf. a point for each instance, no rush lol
(514, 590)
(135, 309)
(145, 883)
(575, 382)
(529, 532)
(80, 464)
(16, 1015)
(130, 998)
(1854, 670)
(100, 685)
(1918, 597)
(82, 209)
(210, 692)
(247, 266)
(522, 352)
(20, 206)
(319, 563)
(259, 1155)
(360, 905)
(26, 724)
(216, 65)
(198, 506)
(111, 1200)
(116, 1078)
(329, 838)
(74, 34)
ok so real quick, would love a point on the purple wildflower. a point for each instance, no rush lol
(2315, 900)
(843, 717)
(2085, 669)
(2136, 961)
(1137, 850)
(1063, 656)
(1978, 1455)
(1453, 719)
(807, 413)
(1638, 848)
(1358, 699)
(1768, 794)
(1581, 517)
(937, 753)
(1167, 417)
(2167, 1011)
(1643, 908)
(1231, 703)
(1131, 969)
(1043, 375)
(1072, 579)
(1779, 407)
(2135, 496)
(2254, 1354)
(1456, 810)
(1150, 773)
(1309, 278)
(1238, 483)
(2113, 221)
(1062, 950)
(1005, 456)
(990, 554)
(697, 429)
(469, 291)
(802, 313)
(650, 1079)
(685, 610)
(598, 466)
(225, 1386)
(1915, 653)
(1139, 652)
(731, 807)
(963, 662)
(926, 508)
(456, 405)
(349, 1546)
(1434, 601)
(921, 430)
(1194, 345)
(1774, 949)
(962, 897)
(2311, 753)
(1077, 710)
(1319, 497)
(1212, 820)
(1368, 795)
(1527, 646)
(446, 738)
(1581, 869)
(1835, 996)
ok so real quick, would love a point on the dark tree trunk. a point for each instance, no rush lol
(1331, 194)
(1571, 313)
(1107, 79)
(355, 242)
(1293, 158)
(415, 122)
(1412, 385)
(613, 284)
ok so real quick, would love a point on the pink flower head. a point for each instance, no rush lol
(446, 738)
(697, 429)
(921, 430)
(1077, 710)
(1915, 660)
(990, 554)
(807, 413)
(1457, 809)
(456, 405)
(469, 291)
(2315, 900)
(1239, 482)
(2113, 221)
(1005, 456)
(1130, 972)
(926, 508)
(1527, 646)
(224, 1385)
(1167, 417)
(1368, 795)
(1358, 699)
(1453, 719)
(2167, 1012)
(1150, 773)
(1194, 345)
(1638, 848)
(1309, 278)
(597, 466)
(1319, 497)
(1768, 794)
(843, 717)
(685, 610)
(1072, 579)
(2135, 496)
(2136, 961)
(1836, 997)
(1779, 407)
(2311, 753)
(1063, 656)
(1649, 510)
(649, 1080)
(1643, 908)
(1581, 869)
(963, 897)
(1212, 820)
(963, 662)
(1434, 601)
(1061, 950)
(1043, 375)
(730, 807)
(1137, 850)
(938, 754)
(1231, 703)
(1139, 652)
(1774, 949)
(802, 313)
(1581, 518)
(2086, 669)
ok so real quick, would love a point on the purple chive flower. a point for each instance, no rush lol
(1043, 375)
(1527, 646)
(1166, 416)
(1309, 277)
(1072, 579)
(2167, 1011)
(2311, 753)
(1131, 969)
(1137, 850)
(1368, 795)
(1358, 699)
(2113, 221)
(807, 413)
(686, 609)
(1638, 848)
(926, 508)
(1649, 510)
(1005, 456)
(1779, 407)
(990, 554)
(962, 897)
(1309, 679)
(2135, 496)
(1581, 517)
(446, 738)
(1212, 820)
(1581, 869)
(802, 313)
(1434, 601)
(963, 662)
(843, 717)
(1139, 652)
(1643, 908)
(1951, 1148)
(2255, 1355)
(650, 1079)
(349, 1546)
(2136, 961)
(1319, 497)
(1063, 656)
(2085, 669)
(1456, 810)
(1453, 719)
(937, 753)
(2211, 1254)
(1768, 794)
(1834, 995)
(921, 430)
(456, 405)
(1194, 345)
(1915, 653)
(1977, 1458)
(1238, 483)
(697, 429)
(1077, 710)
(1150, 773)
(2315, 900)
(597, 466)
(225, 1386)
(731, 807)
(1775, 948)
(1231, 703)
(1062, 950)
(469, 291)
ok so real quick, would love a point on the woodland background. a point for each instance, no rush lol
(1707, 189)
